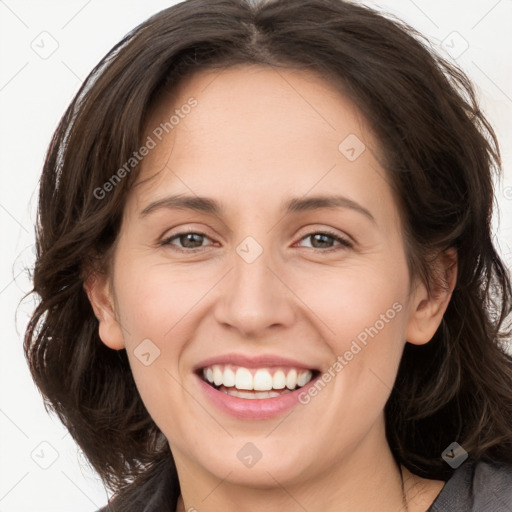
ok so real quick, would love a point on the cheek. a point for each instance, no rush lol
(152, 309)
(159, 306)
(355, 302)
(153, 299)
(361, 310)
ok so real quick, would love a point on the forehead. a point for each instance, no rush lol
(252, 109)
(249, 127)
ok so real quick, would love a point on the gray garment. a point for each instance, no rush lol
(481, 487)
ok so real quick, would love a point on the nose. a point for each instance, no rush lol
(254, 297)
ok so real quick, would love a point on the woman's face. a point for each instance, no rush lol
(295, 269)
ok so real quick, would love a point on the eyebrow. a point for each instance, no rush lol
(294, 205)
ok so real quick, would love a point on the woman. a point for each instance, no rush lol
(266, 271)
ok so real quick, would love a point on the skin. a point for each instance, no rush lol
(259, 136)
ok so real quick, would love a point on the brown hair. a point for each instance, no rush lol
(440, 154)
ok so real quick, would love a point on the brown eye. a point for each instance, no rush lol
(325, 240)
(189, 240)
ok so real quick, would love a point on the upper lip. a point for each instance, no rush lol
(246, 361)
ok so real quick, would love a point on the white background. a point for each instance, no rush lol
(34, 93)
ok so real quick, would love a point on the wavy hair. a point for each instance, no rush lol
(441, 157)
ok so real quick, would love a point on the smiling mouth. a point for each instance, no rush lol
(255, 383)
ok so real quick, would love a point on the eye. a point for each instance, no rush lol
(189, 240)
(323, 241)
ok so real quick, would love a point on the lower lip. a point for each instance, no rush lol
(253, 409)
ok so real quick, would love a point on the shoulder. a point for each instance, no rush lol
(476, 487)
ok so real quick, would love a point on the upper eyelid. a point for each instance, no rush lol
(184, 230)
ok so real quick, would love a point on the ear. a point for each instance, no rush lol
(99, 292)
(427, 310)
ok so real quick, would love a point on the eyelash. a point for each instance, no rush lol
(344, 243)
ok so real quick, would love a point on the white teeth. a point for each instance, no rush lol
(304, 378)
(262, 380)
(291, 379)
(242, 379)
(279, 380)
(253, 395)
(229, 378)
(217, 375)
